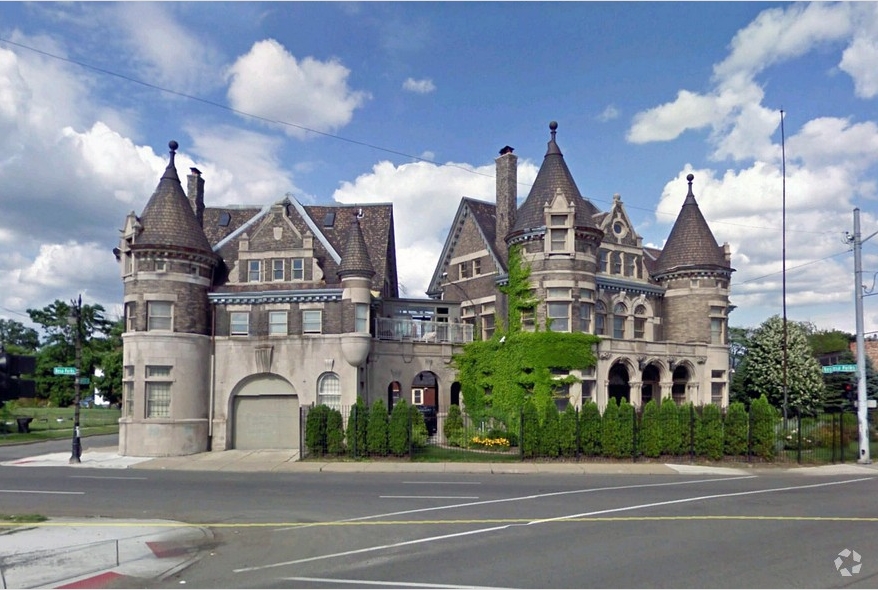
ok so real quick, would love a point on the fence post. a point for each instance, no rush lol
(832, 436)
(691, 433)
(798, 436)
(521, 434)
(578, 453)
(841, 435)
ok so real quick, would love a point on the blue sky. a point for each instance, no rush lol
(410, 103)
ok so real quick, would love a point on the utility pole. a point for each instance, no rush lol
(75, 320)
(862, 405)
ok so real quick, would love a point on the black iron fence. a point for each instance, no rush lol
(695, 434)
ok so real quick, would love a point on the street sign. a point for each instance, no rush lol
(870, 403)
(84, 380)
(64, 371)
(840, 369)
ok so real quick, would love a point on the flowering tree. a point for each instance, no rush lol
(765, 367)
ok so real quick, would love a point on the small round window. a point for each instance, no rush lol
(618, 228)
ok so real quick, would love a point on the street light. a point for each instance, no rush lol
(75, 321)
(862, 404)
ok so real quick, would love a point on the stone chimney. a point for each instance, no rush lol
(196, 194)
(507, 195)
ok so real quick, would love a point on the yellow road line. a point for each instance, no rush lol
(863, 519)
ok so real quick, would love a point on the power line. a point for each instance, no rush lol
(329, 135)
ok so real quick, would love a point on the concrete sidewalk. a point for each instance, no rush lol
(96, 552)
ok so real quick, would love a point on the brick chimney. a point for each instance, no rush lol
(507, 197)
(196, 194)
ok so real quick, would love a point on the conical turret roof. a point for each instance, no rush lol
(355, 260)
(553, 175)
(691, 245)
(168, 219)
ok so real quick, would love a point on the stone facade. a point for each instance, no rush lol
(239, 317)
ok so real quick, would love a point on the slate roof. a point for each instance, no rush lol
(355, 257)
(553, 175)
(377, 238)
(168, 219)
(485, 216)
(691, 245)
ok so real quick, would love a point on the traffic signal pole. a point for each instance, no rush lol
(862, 403)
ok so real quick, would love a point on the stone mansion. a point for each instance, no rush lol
(238, 316)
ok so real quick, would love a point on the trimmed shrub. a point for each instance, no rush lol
(709, 433)
(569, 424)
(419, 434)
(550, 426)
(334, 432)
(688, 426)
(763, 419)
(735, 430)
(377, 432)
(627, 425)
(453, 427)
(358, 424)
(610, 429)
(590, 429)
(398, 431)
(669, 420)
(315, 430)
(650, 430)
(530, 426)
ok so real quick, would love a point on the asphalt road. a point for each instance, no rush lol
(321, 530)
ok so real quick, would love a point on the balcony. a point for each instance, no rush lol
(422, 331)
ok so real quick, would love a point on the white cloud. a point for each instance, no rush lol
(424, 86)
(168, 52)
(859, 62)
(608, 114)
(421, 193)
(270, 82)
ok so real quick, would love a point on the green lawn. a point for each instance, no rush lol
(52, 423)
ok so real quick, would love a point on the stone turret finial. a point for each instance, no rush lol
(690, 197)
(171, 170)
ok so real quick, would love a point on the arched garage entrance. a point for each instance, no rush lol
(265, 414)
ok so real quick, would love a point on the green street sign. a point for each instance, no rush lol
(840, 369)
(64, 371)
(84, 380)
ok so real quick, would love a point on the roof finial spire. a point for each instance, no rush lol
(553, 127)
(553, 147)
(690, 197)
(171, 170)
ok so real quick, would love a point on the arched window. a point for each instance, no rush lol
(640, 322)
(620, 313)
(329, 391)
(600, 318)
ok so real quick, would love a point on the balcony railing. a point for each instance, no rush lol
(422, 331)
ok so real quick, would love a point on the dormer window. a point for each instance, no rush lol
(298, 269)
(277, 269)
(559, 232)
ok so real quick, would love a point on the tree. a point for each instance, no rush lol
(765, 367)
(738, 343)
(59, 346)
(109, 359)
(15, 337)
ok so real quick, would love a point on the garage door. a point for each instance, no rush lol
(266, 422)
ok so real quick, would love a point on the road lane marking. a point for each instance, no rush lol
(101, 477)
(444, 483)
(429, 497)
(539, 521)
(530, 497)
(40, 492)
(385, 583)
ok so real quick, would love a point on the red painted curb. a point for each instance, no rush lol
(98, 581)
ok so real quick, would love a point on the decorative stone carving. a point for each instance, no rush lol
(263, 358)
